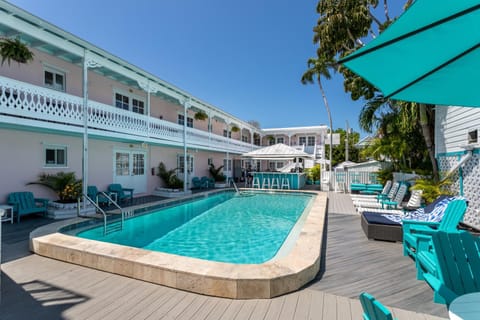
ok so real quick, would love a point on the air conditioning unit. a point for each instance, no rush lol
(472, 136)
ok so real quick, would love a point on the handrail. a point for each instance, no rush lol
(104, 214)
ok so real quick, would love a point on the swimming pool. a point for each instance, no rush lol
(298, 264)
(226, 227)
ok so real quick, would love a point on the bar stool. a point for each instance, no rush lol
(256, 182)
(275, 183)
(285, 182)
(266, 183)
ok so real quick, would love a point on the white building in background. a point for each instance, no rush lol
(78, 108)
(457, 149)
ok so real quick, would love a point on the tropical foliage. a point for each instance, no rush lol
(342, 27)
(14, 49)
(313, 173)
(169, 177)
(64, 184)
(432, 189)
(217, 173)
(200, 115)
(339, 152)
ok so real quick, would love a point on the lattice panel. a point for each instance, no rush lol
(471, 185)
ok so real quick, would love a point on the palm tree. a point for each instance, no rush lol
(316, 69)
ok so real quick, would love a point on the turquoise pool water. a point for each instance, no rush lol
(225, 227)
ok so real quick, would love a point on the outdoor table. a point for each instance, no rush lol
(465, 307)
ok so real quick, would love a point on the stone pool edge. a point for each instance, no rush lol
(245, 281)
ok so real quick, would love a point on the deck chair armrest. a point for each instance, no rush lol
(438, 286)
(129, 190)
(14, 204)
(42, 201)
(415, 223)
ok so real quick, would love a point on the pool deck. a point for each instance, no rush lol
(51, 289)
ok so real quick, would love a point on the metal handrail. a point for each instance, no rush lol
(104, 214)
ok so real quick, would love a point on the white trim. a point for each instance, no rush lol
(55, 71)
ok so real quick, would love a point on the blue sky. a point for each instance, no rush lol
(245, 57)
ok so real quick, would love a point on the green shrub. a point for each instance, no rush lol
(169, 177)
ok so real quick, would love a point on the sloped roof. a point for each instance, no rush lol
(277, 151)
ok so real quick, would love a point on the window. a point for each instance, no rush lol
(54, 79)
(311, 141)
(122, 164)
(181, 162)
(473, 136)
(280, 140)
(121, 101)
(127, 102)
(138, 106)
(227, 165)
(55, 156)
(244, 138)
(302, 140)
(256, 140)
(181, 121)
(280, 164)
(227, 133)
(210, 161)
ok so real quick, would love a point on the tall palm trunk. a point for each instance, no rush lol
(428, 136)
(325, 102)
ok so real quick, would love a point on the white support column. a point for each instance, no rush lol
(186, 105)
(149, 88)
(88, 62)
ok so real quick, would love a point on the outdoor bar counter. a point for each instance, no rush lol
(296, 180)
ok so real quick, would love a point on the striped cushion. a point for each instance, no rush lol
(429, 213)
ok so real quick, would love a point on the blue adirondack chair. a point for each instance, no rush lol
(196, 183)
(417, 234)
(372, 309)
(121, 192)
(98, 197)
(25, 203)
(456, 265)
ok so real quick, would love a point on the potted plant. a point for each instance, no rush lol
(67, 187)
(235, 128)
(69, 190)
(200, 115)
(169, 177)
(218, 176)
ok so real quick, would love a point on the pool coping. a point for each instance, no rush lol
(237, 281)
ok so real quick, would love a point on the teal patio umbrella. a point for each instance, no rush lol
(431, 54)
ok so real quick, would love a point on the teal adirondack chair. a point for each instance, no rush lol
(121, 192)
(372, 309)
(25, 203)
(98, 197)
(196, 183)
(456, 262)
(417, 234)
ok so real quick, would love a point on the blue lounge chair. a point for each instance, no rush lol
(25, 203)
(455, 265)
(372, 309)
(417, 234)
(121, 192)
(98, 197)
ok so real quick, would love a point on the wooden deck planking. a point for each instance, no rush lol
(53, 289)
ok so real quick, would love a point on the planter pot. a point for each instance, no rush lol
(170, 193)
(58, 210)
(220, 185)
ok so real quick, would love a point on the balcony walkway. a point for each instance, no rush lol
(48, 289)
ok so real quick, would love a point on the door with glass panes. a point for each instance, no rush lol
(129, 167)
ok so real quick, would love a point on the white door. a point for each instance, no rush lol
(130, 170)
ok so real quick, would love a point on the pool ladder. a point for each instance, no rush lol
(234, 184)
(115, 224)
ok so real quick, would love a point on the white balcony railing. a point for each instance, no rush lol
(49, 108)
